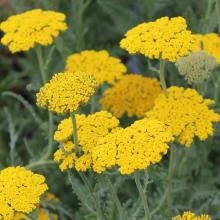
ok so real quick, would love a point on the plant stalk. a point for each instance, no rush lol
(116, 199)
(162, 76)
(142, 195)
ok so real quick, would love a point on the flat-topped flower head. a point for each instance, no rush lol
(65, 92)
(133, 148)
(89, 128)
(20, 191)
(196, 67)
(186, 113)
(132, 95)
(163, 38)
(191, 216)
(32, 27)
(41, 213)
(106, 68)
(210, 43)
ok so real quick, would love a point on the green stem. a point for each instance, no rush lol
(93, 195)
(116, 199)
(142, 195)
(217, 90)
(75, 135)
(41, 64)
(40, 163)
(170, 177)
(82, 175)
(162, 77)
(93, 103)
(217, 7)
(209, 8)
(43, 68)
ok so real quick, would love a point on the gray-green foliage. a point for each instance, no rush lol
(196, 67)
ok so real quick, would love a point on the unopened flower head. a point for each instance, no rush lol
(32, 27)
(106, 68)
(186, 113)
(191, 216)
(164, 38)
(210, 43)
(133, 148)
(65, 92)
(196, 67)
(20, 191)
(89, 128)
(132, 95)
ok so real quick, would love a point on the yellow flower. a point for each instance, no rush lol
(133, 148)
(106, 69)
(133, 94)
(186, 113)
(32, 27)
(164, 38)
(66, 91)
(211, 44)
(191, 216)
(20, 191)
(89, 128)
(42, 214)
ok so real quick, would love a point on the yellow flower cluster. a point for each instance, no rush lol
(66, 91)
(191, 216)
(133, 148)
(89, 128)
(186, 113)
(20, 191)
(211, 44)
(133, 94)
(106, 69)
(42, 214)
(36, 26)
(164, 38)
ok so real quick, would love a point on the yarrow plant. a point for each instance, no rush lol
(32, 27)
(108, 135)
(20, 191)
(66, 91)
(164, 38)
(106, 69)
(90, 129)
(191, 216)
(187, 114)
(133, 148)
(132, 95)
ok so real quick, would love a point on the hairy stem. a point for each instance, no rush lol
(50, 115)
(116, 199)
(142, 195)
(40, 163)
(82, 175)
(162, 76)
(93, 195)
(170, 178)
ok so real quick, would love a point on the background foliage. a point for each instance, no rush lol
(100, 24)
